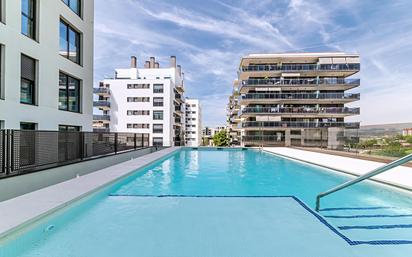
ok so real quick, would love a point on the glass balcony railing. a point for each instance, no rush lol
(298, 96)
(298, 124)
(314, 81)
(101, 103)
(101, 90)
(302, 67)
(301, 110)
(101, 117)
(265, 138)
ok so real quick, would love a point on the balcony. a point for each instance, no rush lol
(300, 111)
(314, 81)
(101, 129)
(299, 97)
(302, 67)
(298, 124)
(178, 98)
(179, 88)
(104, 91)
(102, 104)
(178, 121)
(267, 140)
(103, 118)
(178, 109)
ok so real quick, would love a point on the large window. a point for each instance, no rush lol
(138, 112)
(138, 86)
(69, 128)
(28, 18)
(158, 115)
(75, 5)
(69, 93)
(157, 88)
(138, 99)
(157, 101)
(28, 80)
(157, 141)
(138, 125)
(157, 128)
(69, 42)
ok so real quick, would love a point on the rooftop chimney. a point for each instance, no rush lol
(156, 65)
(133, 62)
(152, 62)
(172, 61)
(147, 65)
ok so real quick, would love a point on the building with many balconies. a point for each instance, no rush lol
(146, 100)
(296, 99)
(233, 118)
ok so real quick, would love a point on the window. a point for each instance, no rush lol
(157, 88)
(157, 141)
(69, 42)
(137, 112)
(138, 99)
(75, 5)
(28, 80)
(28, 18)
(157, 128)
(158, 115)
(138, 86)
(157, 101)
(2, 11)
(1, 72)
(69, 128)
(69, 93)
(138, 125)
(28, 126)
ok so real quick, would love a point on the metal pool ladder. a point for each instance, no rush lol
(370, 174)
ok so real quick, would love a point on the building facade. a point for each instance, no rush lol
(193, 122)
(407, 132)
(208, 133)
(233, 117)
(146, 100)
(46, 64)
(295, 99)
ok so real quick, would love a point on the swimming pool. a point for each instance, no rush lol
(106, 223)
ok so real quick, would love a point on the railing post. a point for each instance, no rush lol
(142, 140)
(3, 151)
(81, 144)
(115, 142)
(135, 141)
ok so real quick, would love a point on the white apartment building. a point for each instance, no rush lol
(146, 100)
(46, 64)
(193, 122)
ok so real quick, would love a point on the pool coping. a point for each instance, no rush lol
(23, 210)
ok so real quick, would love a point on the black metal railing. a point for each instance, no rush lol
(302, 67)
(301, 110)
(298, 124)
(300, 96)
(24, 151)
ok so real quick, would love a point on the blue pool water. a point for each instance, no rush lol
(105, 224)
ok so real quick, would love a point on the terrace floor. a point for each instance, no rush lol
(400, 176)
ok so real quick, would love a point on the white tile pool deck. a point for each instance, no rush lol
(213, 226)
(400, 176)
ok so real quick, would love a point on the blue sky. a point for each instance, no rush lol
(209, 37)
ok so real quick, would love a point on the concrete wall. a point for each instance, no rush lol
(19, 185)
(46, 51)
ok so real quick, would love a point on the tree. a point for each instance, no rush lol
(221, 139)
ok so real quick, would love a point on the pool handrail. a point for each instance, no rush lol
(370, 174)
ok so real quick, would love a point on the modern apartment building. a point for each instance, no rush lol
(46, 64)
(193, 122)
(296, 99)
(146, 100)
(208, 133)
(233, 117)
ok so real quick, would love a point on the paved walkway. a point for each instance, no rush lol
(401, 176)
